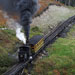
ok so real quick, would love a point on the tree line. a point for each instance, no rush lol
(68, 2)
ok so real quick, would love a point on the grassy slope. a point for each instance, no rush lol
(8, 40)
(35, 31)
(61, 59)
(9, 44)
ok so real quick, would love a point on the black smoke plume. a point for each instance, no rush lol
(27, 9)
(9, 5)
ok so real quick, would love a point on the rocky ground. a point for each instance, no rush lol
(52, 16)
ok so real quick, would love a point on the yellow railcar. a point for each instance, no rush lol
(36, 42)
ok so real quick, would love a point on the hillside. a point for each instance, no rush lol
(60, 59)
(2, 19)
(45, 3)
(54, 14)
(51, 17)
(8, 45)
(43, 6)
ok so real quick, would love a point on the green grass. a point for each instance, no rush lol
(8, 40)
(5, 63)
(8, 44)
(61, 59)
(35, 31)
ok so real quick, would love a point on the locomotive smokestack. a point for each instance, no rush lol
(27, 9)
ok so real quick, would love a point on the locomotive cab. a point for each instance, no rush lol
(23, 53)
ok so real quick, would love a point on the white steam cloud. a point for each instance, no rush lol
(20, 35)
(12, 24)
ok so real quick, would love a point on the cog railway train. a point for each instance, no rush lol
(27, 51)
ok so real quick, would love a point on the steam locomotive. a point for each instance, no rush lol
(27, 51)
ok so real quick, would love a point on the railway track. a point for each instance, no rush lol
(17, 69)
